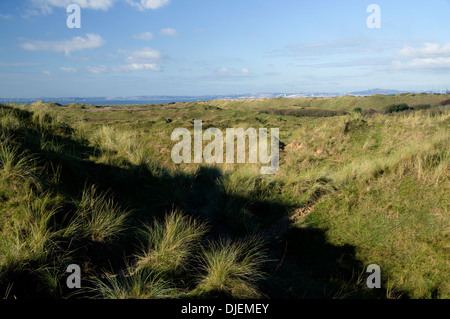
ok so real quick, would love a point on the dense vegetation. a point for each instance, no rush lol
(361, 181)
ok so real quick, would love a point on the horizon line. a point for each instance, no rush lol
(234, 95)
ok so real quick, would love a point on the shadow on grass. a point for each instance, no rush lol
(302, 263)
(307, 266)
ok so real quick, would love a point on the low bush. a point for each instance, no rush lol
(396, 108)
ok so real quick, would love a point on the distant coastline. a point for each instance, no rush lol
(90, 102)
(159, 99)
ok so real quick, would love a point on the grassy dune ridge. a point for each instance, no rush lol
(362, 180)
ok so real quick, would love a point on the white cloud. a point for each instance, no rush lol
(428, 50)
(429, 56)
(146, 59)
(92, 41)
(228, 73)
(5, 16)
(46, 72)
(68, 69)
(137, 67)
(148, 4)
(225, 71)
(335, 47)
(46, 5)
(145, 55)
(424, 63)
(125, 68)
(143, 59)
(146, 36)
(169, 32)
(97, 69)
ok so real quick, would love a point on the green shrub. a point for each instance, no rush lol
(396, 108)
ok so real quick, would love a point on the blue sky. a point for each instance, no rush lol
(201, 47)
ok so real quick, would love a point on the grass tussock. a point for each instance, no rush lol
(27, 236)
(15, 164)
(124, 144)
(171, 243)
(98, 217)
(141, 284)
(231, 269)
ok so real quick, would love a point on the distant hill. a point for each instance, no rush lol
(377, 91)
